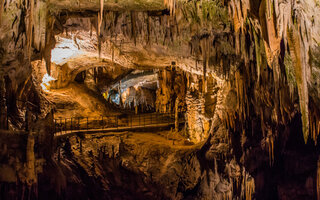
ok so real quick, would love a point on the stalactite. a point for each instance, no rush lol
(1, 10)
(290, 74)
(270, 143)
(170, 4)
(133, 27)
(248, 186)
(148, 29)
(314, 126)
(300, 76)
(241, 95)
(112, 52)
(205, 44)
(100, 17)
(91, 26)
(30, 27)
(257, 52)
(314, 119)
(49, 42)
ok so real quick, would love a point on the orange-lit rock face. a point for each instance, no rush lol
(243, 73)
(46, 82)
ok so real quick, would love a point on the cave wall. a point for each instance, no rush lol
(120, 166)
(171, 88)
(267, 51)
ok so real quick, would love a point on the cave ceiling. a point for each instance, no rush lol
(245, 74)
(112, 5)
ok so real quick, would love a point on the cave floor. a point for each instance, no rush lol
(126, 165)
(167, 139)
(76, 100)
(134, 149)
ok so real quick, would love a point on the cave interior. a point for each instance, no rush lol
(160, 99)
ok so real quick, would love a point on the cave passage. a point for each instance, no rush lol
(136, 91)
(160, 99)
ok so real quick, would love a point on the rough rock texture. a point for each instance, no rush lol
(135, 92)
(171, 87)
(262, 53)
(143, 166)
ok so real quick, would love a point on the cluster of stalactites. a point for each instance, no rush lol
(314, 120)
(138, 27)
(267, 32)
(171, 5)
(29, 7)
(247, 186)
(185, 24)
(29, 26)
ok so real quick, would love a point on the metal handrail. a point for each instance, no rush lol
(73, 124)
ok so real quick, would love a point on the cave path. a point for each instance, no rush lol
(70, 126)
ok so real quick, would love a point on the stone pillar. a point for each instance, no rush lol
(31, 176)
(197, 123)
(3, 107)
(176, 115)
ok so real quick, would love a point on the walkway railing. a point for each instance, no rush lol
(74, 124)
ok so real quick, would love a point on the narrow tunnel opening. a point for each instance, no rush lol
(80, 77)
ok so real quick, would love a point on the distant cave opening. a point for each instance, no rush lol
(80, 77)
(135, 92)
(130, 91)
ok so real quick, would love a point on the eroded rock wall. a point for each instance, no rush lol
(135, 166)
(265, 50)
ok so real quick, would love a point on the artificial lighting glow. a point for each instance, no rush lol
(45, 82)
(64, 50)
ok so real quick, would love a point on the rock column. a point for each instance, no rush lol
(3, 107)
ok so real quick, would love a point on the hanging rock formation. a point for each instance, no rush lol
(262, 99)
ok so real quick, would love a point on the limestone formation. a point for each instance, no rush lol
(238, 80)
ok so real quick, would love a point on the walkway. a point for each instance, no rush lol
(69, 126)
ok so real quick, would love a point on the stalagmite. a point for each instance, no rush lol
(30, 162)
